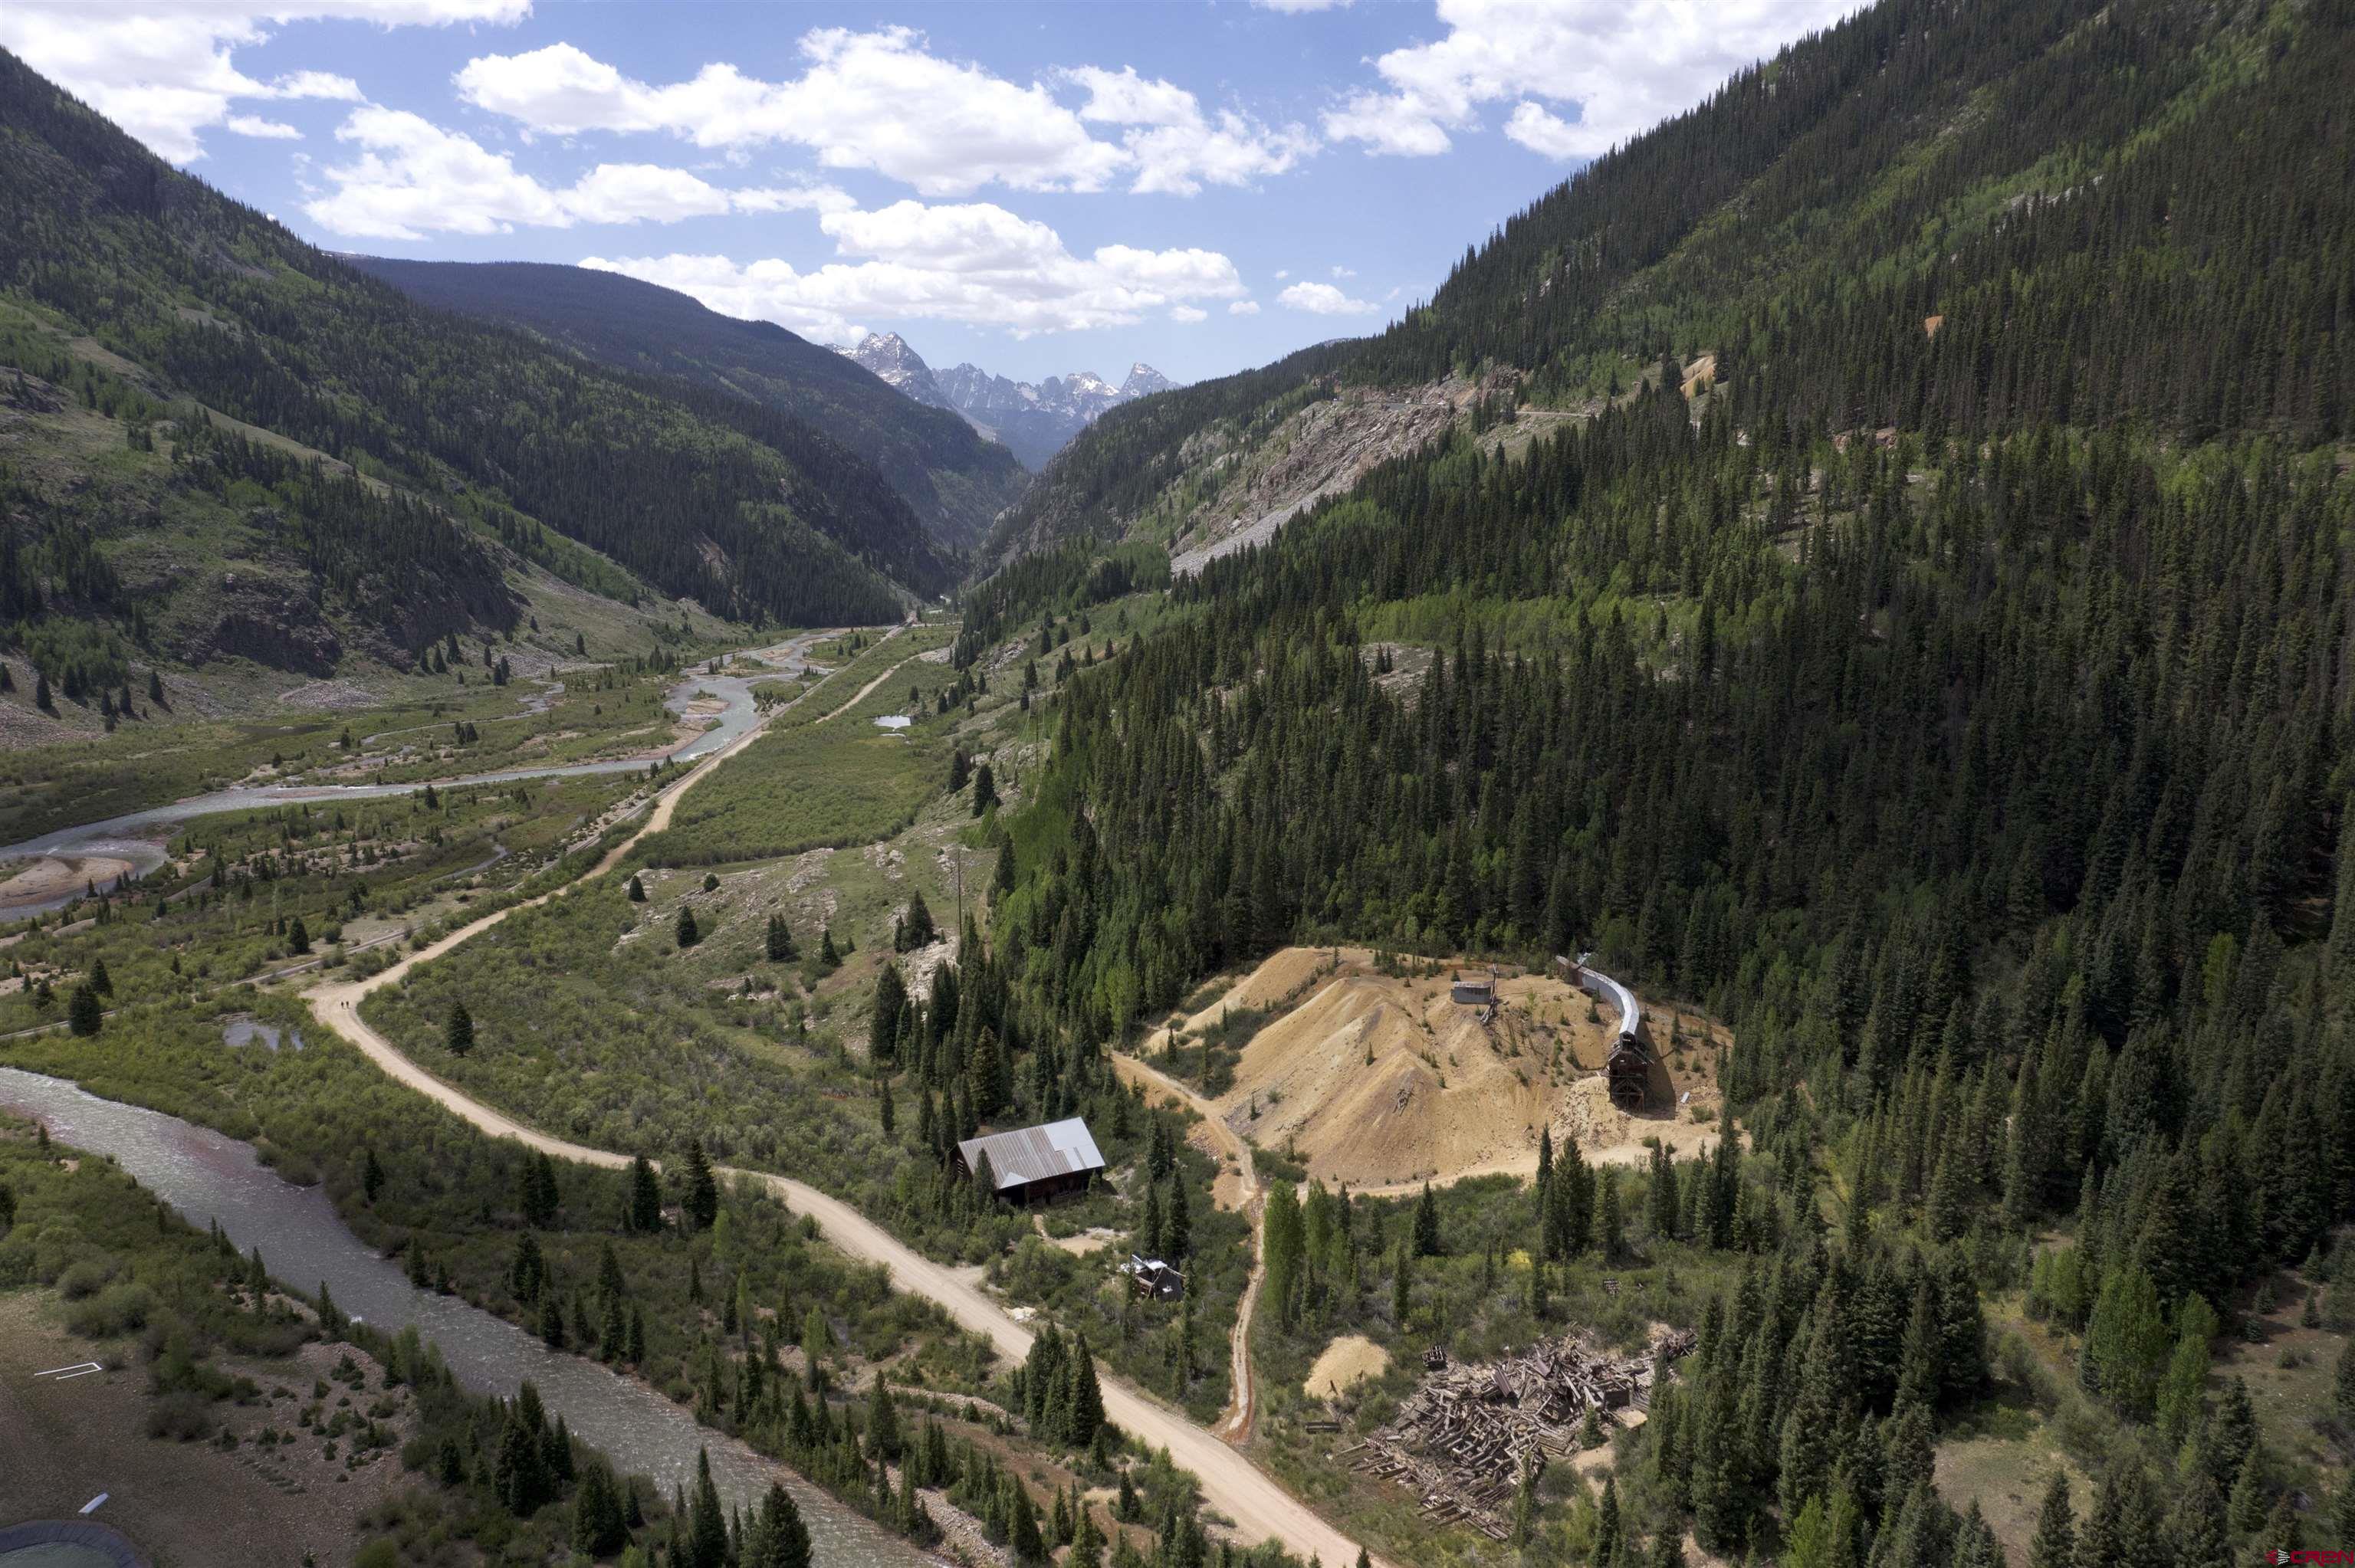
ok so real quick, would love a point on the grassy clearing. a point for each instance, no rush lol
(352, 874)
(432, 728)
(813, 781)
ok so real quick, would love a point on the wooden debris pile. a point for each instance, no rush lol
(1463, 1439)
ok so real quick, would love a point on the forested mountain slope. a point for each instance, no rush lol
(955, 478)
(1963, 715)
(141, 294)
(1955, 217)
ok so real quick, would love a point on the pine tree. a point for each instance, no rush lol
(882, 1422)
(536, 1196)
(2195, 1527)
(646, 1197)
(1023, 1538)
(2246, 1509)
(701, 1200)
(1177, 1226)
(1087, 1542)
(1084, 1417)
(85, 1016)
(2126, 1341)
(778, 1538)
(1607, 1526)
(2054, 1544)
(890, 1006)
(1427, 1241)
(779, 945)
(1609, 1228)
(687, 932)
(637, 889)
(598, 1529)
(706, 1531)
(458, 1034)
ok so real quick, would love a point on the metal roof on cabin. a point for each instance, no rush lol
(1035, 1153)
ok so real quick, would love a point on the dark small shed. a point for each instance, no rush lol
(1151, 1277)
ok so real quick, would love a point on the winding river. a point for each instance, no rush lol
(209, 1176)
(139, 837)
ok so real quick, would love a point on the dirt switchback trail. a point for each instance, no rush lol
(1236, 1428)
(1260, 1509)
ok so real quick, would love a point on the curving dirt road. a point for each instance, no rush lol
(1259, 1508)
(1235, 1427)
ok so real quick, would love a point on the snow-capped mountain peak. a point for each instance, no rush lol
(1035, 419)
(898, 365)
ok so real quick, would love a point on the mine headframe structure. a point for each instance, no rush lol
(1628, 1070)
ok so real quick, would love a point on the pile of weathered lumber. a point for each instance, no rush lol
(1463, 1439)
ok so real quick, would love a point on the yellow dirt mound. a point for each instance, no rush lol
(1383, 1080)
(1348, 1360)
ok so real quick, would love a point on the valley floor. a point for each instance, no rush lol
(1257, 1507)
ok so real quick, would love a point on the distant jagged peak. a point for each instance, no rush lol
(897, 364)
(1034, 418)
(1144, 380)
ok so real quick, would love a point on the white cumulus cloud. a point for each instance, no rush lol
(883, 100)
(974, 263)
(874, 100)
(1623, 65)
(1325, 300)
(1186, 315)
(1243, 308)
(411, 177)
(318, 84)
(1172, 145)
(164, 69)
(255, 125)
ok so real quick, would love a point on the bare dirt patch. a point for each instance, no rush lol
(58, 877)
(1347, 1361)
(62, 1442)
(1381, 1080)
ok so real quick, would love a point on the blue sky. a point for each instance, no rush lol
(1037, 188)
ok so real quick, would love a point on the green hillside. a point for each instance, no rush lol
(1957, 219)
(956, 481)
(137, 305)
(1952, 696)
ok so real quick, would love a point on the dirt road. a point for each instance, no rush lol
(867, 690)
(1260, 1509)
(1235, 1427)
